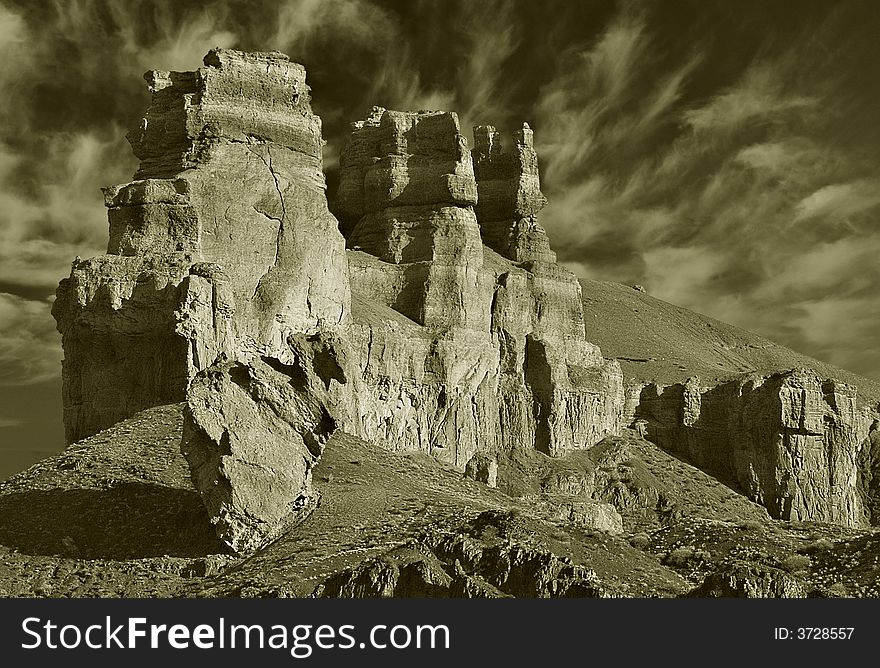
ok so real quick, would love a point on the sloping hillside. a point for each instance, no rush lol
(659, 342)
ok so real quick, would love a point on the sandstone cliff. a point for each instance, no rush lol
(439, 323)
(447, 329)
(791, 441)
(781, 428)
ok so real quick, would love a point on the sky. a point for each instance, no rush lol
(725, 155)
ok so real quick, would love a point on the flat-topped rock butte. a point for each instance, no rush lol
(439, 325)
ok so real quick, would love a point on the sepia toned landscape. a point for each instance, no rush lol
(388, 377)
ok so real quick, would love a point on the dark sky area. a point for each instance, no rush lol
(724, 154)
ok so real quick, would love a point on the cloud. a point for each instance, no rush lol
(758, 97)
(695, 191)
(677, 273)
(45, 224)
(839, 200)
(842, 331)
(7, 423)
(730, 170)
(30, 348)
(490, 36)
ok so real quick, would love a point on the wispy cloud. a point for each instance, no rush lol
(758, 97)
(739, 203)
(839, 200)
(729, 170)
(30, 349)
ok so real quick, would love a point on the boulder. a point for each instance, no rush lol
(252, 433)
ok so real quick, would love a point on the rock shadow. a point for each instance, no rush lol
(127, 521)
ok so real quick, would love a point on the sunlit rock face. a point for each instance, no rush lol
(792, 441)
(465, 346)
(223, 243)
(426, 334)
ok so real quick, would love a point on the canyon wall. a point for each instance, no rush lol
(793, 441)
(440, 322)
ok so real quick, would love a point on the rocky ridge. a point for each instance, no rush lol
(438, 324)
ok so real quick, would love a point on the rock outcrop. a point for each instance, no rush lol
(462, 349)
(223, 243)
(223, 255)
(510, 196)
(440, 323)
(869, 469)
(790, 441)
(749, 580)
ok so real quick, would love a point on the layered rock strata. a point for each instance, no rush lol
(791, 441)
(223, 243)
(462, 349)
(510, 195)
(225, 273)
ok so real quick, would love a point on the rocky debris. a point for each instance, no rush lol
(486, 558)
(483, 468)
(591, 515)
(790, 441)
(252, 433)
(494, 547)
(622, 479)
(410, 571)
(749, 580)
(605, 488)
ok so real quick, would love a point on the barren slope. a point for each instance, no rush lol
(116, 515)
(660, 342)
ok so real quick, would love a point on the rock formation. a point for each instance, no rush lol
(223, 255)
(509, 187)
(222, 244)
(461, 349)
(744, 580)
(791, 441)
(439, 323)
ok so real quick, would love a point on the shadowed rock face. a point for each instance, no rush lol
(740, 580)
(510, 196)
